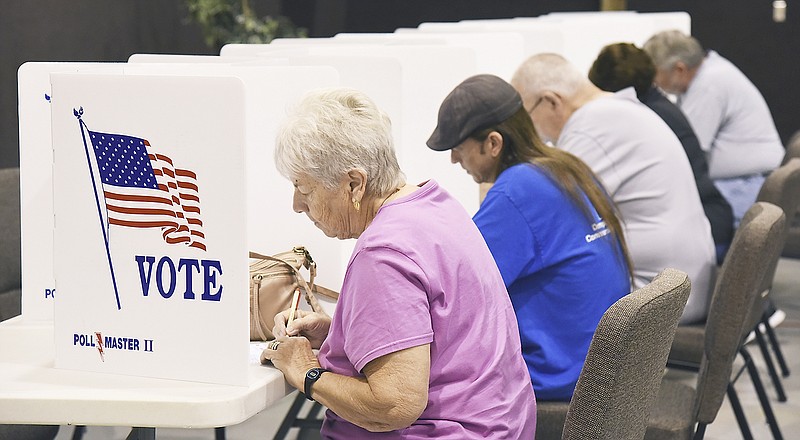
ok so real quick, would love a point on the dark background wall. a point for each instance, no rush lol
(102, 30)
(81, 30)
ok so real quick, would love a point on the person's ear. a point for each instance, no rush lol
(356, 181)
(551, 99)
(680, 67)
(494, 143)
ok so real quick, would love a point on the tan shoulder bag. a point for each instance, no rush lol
(273, 281)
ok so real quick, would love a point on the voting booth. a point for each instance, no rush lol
(144, 184)
(154, 164)
(131, 171)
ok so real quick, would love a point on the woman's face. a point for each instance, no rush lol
(329, 209)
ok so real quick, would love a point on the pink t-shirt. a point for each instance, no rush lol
(422, 274)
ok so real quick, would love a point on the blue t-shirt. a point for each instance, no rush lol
(562, 272)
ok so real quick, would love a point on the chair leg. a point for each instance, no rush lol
(741, 420)
(776, 347)
(142, 434)
(762, 395)
(773, 373)
(77, 434)
(219, 433)
(291, 417)
(700, 432)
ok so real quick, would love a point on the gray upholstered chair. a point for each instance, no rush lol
(792, 247)
(712, 348)
(620, 377)
(10, 256)
(782, 189)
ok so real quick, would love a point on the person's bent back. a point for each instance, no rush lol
(639, 161)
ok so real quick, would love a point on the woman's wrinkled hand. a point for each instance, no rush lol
(291, 355)
(311, 325)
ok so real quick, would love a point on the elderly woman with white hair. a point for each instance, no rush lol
(423, 342)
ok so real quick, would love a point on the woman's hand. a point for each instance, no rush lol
(293, 356)
(312, 325)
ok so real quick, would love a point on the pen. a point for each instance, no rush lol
(293, 307)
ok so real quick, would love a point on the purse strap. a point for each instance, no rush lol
(258, 323)
(308, 288)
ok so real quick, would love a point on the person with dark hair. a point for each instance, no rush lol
(623, 65)
(552, 229)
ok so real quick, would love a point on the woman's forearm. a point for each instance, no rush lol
(391, 396)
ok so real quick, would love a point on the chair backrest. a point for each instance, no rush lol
(792, 247)
(620, 379)
(756, 243)
(10, 256)
(792, 148)
(782, 188)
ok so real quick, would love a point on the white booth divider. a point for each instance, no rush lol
(429, 73)
(245, 205)
(497, 53)
(36, 181)
(150, 249)
(578, 36)
(544, 37)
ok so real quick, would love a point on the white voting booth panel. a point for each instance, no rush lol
(497, 53)
(429, 73)
(377, 76)
(150, 249)
(586, 34)
(657, 21)
(263, 220)
(36, 182)
(535, 39)
(578, 36)
(269, 93)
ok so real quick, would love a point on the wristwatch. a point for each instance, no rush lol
(311, 376)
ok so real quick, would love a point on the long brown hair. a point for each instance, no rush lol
(521, 144)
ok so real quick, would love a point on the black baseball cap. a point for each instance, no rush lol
(479, 102)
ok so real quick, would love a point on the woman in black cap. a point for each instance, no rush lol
(552, 229)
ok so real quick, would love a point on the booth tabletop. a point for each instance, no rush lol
(33, 391)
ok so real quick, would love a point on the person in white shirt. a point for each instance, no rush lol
(727, 112)
(640, 162)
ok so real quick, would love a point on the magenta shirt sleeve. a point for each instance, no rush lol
(385, 305)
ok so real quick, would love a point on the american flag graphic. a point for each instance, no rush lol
(143, 189)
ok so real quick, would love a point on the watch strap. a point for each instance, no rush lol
(312, 375)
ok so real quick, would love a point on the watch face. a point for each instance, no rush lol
(313, 374)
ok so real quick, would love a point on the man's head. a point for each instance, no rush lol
(677, 57)
(622, 65)
(548, 83)
(485, 126)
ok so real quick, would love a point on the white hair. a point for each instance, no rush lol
(547, 71)
(333, 131)
(668, 47)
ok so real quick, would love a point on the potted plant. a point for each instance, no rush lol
(236, 21)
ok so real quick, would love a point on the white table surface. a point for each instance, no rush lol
(32, 391)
